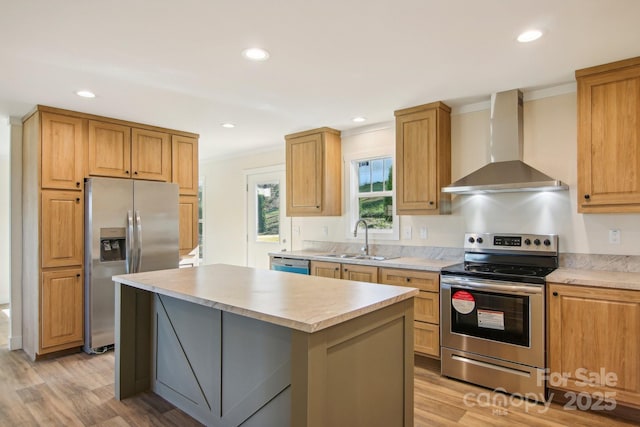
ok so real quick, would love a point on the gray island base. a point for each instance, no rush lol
(237, 346)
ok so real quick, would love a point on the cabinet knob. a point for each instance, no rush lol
(77, 199)
(126, 172)
(77, 184)
(555, 294)
(337, 268)
(78, 275)
(431, 202)
(587, 196)
(318, 207)
(135, 173)
(408, 279)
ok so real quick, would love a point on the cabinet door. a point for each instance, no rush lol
(185, 164)
(609, 141)
(325, 269)
(426, 338)
(61, 305)
(427, 307)
(360, 273)
(595, 329)
(304, 175)
(109, 150)
(416, 161)
(188, 213)
(62, 152)
(62, 228)
(423, 280)
(150, 155)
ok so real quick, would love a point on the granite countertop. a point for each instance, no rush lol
(596, 278)
(413, 263)
(305, 303)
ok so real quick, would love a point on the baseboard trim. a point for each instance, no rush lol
(15, 343)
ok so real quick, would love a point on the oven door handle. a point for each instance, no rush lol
(506, 288)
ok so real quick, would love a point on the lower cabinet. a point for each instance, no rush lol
(336, 270)
(426, 306)
(593, 344)
(61, 310)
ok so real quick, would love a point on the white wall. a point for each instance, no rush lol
(550, 134)
(5, 211)
(225, 204)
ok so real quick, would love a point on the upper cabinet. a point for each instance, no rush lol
(62, 152)
(185, 164)
(609, 137)
(123, 152)
(423, 159)
(314, 173)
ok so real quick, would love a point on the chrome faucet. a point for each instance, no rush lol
(365, 248)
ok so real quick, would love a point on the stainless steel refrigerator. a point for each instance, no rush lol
(131, 226)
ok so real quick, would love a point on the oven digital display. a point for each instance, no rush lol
(507, 240)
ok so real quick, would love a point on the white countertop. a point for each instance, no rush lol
(595, 278)
(305, 303)
(413, 263)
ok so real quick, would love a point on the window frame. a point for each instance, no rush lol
(352, 193)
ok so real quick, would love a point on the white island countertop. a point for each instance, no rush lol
(305, 303)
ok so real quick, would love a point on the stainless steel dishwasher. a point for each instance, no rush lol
(290, 265)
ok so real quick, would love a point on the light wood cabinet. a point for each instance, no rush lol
(188, 213)
(314, 173)
(61, 314)
(62, 151)
(326, 269)
(360, 273)
(120, 151)
(62, 228)
(595, 331)
(151, 155)
(185, 164)
(423, 159)
(609, 137)
(426, 306)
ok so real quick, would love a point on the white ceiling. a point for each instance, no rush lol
(177, 63)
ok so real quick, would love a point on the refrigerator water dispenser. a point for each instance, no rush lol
(112, 244)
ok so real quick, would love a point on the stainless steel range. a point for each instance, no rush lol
(493, 311)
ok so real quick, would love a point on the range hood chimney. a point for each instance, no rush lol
(506, 172)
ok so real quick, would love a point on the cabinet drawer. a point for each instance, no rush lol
(427, 307)
(426, 338)
(423, 280)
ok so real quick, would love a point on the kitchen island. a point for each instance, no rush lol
(232, 345)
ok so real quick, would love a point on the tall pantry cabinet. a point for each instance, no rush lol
(59, 151)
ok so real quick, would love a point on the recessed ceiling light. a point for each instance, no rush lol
(255, 54)
(359, 119)
(529, 36)
(228, 125)
(86, 94)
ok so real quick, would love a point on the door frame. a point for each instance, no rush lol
(279, 168)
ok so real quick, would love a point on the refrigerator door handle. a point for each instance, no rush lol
(128, 244)
(138, 241)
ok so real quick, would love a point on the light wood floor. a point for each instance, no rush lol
(77, 390)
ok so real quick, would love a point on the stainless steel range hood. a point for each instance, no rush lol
(506, 172)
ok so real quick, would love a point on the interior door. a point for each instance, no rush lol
(268, 227)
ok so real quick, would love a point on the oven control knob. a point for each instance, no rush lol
(479, 240)
(472, 240)
(527, 242)
(547, 242)
(536, 242)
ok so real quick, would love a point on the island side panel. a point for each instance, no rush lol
(358, 373)
(133, 341)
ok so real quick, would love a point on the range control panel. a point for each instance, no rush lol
(511, 242)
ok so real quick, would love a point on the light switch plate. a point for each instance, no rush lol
(406, 232)
(614, 237)
(423, 233)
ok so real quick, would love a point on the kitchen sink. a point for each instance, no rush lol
(357, 256)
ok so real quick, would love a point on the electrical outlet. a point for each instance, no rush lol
(614, 237)
(325, 230)
(296, 230)
(423, 233)
(406, 233)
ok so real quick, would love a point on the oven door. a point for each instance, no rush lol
(494, 318)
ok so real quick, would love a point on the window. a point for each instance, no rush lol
(268, 212)
(372, 196)
(200, 219)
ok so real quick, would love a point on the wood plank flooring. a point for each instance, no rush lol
(77, 390)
